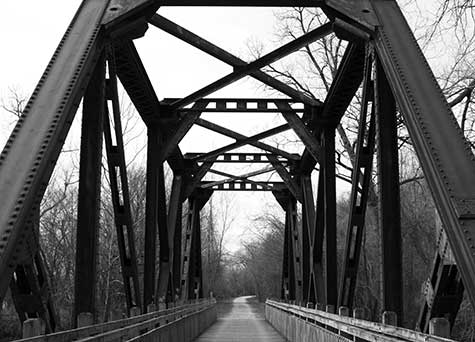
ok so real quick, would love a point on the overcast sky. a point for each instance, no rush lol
(30, 31)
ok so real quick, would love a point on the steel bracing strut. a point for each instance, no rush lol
(120, 191)
(361, 178)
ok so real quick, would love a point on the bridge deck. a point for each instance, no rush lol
(241, 320)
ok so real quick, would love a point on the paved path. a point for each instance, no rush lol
(241, 321)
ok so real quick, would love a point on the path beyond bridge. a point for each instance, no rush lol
(241, 320)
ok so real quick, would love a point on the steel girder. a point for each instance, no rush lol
(446, 158)
(120, 190)
(292, 281)
(89, 196)
(389, 198)
(192, 273)
(213, 50)
(33, 148)
(361, 177)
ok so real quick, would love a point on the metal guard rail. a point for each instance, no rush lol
(128, 328)
(341, 328)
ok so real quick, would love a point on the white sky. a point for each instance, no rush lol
(30, 31)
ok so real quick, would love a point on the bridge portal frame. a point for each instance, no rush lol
(107, 28)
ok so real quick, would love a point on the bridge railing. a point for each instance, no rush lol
(302, 324)
(180, 323)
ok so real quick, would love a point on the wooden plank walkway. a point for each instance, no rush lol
(240, 321)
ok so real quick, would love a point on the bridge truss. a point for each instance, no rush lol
(97, 50)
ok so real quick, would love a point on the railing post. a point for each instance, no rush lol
(359, 313)
(439, 326)
(310, 306)
(162, 306)
(33, 327)
(344, 311)
(135, 311)
(330, 308)
(390, 318)
(85, 319)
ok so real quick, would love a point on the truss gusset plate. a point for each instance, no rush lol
(120, 11)
(359, 13)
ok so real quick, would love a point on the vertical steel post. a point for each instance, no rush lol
(194, 262)
(360, 184)
(291, 280)
(89, 193)
(331, 289)
(296, 242)
(163, 289)
(120, 191)
(187, 268)
(177, 250)
(151, 216)
(285, 279)
(197, 260)
(318, 240)
(389, 198)
(174, 236)
(308, 238)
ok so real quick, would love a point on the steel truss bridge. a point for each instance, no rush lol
(382, 57)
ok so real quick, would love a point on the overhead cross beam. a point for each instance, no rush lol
(246, 186)
(244, 177)
(242, 71)
(221, 54)
(237, 157)
(239, 143)
(237, 105)
(232, 134)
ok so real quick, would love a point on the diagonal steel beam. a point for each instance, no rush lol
(199, 175)
(246, 175)
(235, 179)
(239, 143)
(240, 177)
(178, 132)
(286, 177)
(241, 71)
(221, 54)
(345, 84)
(133, 76)
(301, 130)
(232, 134)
